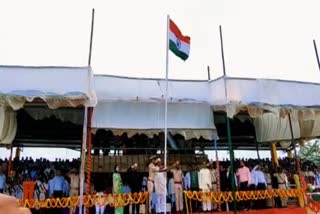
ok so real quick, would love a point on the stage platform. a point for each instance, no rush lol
(268, 211)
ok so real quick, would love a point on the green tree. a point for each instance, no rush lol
(311, 152)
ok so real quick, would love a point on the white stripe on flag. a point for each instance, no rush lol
(184, 47)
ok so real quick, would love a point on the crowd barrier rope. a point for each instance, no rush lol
(222, 197)
(112, 200)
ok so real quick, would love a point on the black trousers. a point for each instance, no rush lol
(1, 190)
(261, 204)
(244, 187)
(58, 194)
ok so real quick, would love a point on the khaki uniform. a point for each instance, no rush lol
(282, 184)
(214, 188)
(178, 188)
(269, 187)
(74, 188)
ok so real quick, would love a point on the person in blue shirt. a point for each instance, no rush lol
(58, 185)
(2, 181)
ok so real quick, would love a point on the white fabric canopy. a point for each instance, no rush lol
(257, 95)
(111, 88)
(252, 95)
(8, 125)
(270, 128)
(57, 86)
(188, 119)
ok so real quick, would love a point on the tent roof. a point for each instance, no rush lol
(253, 95)
(57, 86)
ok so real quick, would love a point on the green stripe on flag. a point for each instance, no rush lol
(176, 51)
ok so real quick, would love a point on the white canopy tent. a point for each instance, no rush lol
(56, 86)
(256, 96)
(136, 106)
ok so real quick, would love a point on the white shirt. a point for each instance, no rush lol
(259, 178)
(160, 181)
(205, 179)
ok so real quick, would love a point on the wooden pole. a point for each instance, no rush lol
(228, 126)
(86, 137)
(216, 151)
(90, 113)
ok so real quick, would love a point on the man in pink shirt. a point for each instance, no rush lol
(244, 177)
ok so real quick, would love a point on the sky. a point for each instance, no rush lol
(262, 39)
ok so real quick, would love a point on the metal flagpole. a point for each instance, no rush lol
(166, 98)
(85, 130)
(228, 126)
(166, 109)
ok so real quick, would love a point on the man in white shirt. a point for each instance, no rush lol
(205, 184)
(260, 183)
(160, 181)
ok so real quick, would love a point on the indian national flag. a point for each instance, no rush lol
(178, 43)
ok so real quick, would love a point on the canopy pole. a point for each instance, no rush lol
(257, 149)
(215, 138)
(89, 157)
(293, 143)
(316, 51)
(274, 155)
(86, 136)
(83, 157)
(228, 126)
(10, 160)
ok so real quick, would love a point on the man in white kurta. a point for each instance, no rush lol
(160, 181)
(153, 169)
(205, 185)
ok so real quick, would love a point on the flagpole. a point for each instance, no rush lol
(166, 98)
(166, 108)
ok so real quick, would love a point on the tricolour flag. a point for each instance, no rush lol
(178, 43)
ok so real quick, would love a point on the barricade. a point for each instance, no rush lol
(112, 200)
(222, 197)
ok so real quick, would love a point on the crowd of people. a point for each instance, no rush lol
(165, 185)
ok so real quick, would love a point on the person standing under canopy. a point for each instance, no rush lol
(178, 186)
(117, 189)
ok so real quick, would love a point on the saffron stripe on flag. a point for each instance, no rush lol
(174, 28)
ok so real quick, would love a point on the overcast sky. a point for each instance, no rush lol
(267, 39)
(263, 39)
